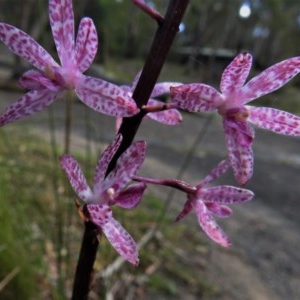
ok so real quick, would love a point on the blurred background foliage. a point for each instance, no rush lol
(269, 29)
(211, 34)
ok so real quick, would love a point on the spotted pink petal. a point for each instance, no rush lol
(105, 97)
(121, 240)
(167, 117)
(131, 196)
(28, 104)
(127, 89)
(163, 88)
(187, 208)
(225, 194)
(196, 97)
(215, 173)
(271, 79)
(62, 24)
(86, 44)
(275, 120)
(239, 150)
(99, 214)
(34, 80)
(127, 166)
(21, 44)
(103, 162)
(235, 75)
(208, 224)
(76, 177)
(221, 211)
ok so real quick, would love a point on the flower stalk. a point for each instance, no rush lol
(162, 42)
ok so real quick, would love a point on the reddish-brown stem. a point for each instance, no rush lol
(149, 11)
(175, 183)
(162, 42)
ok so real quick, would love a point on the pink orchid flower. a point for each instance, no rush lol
(47, 84)
(230, 104)
(109, 191)
(170, 116)
(209, 201)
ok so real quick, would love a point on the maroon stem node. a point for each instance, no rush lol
(155, 108)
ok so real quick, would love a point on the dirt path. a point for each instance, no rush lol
(264, 262)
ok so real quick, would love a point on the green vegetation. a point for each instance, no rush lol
(34, 231)
(22, 215)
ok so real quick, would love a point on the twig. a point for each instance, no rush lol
(116, 265)
(8, 278)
